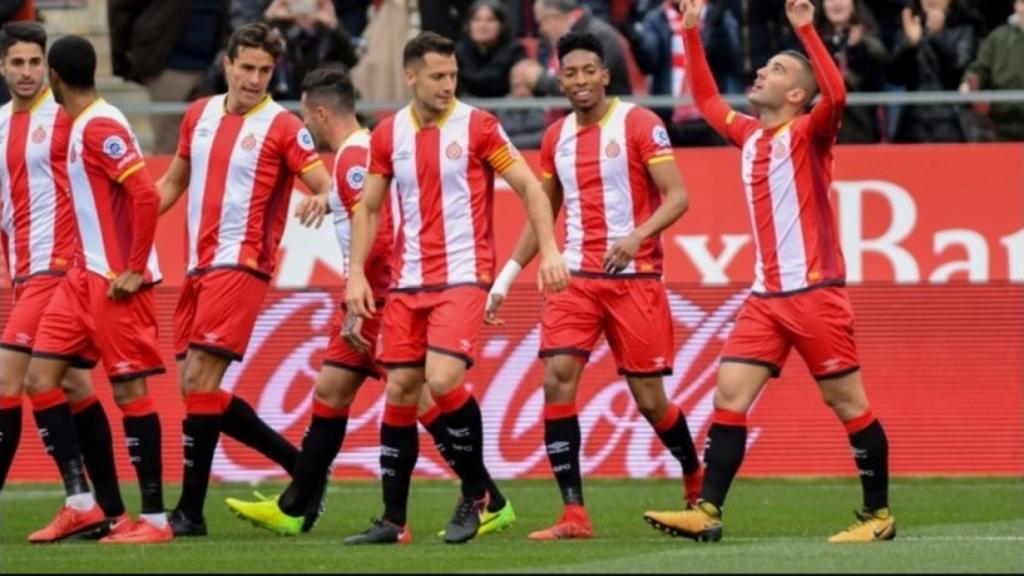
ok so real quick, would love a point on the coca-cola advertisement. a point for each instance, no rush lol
(935, 260)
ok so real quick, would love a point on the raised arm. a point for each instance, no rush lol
(827, 114)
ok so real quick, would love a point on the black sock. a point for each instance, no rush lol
(399, 449)
(10, 435)
(675, 435)
(97, 445)
(57, 431)
(201, 431)
(562, 440)
(871, 454)
(723, 453)
(143, 436)
(321, 444)
(466, 440)
(242, 423)
(435, 424)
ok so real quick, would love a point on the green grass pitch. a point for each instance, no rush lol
(944, 525)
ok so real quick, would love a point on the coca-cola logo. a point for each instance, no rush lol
(288, 342)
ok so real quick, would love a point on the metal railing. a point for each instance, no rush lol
(737, 100)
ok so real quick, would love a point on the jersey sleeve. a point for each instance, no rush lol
(648, 137)
(297, 146)
(111, 146)
(731, 125)
(493, 144)
(548, 144)
(188, 128)
(349, 176)
(381, 147)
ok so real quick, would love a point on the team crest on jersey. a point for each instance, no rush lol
(248, 143)
(612, 150)
(779, 151)
(39, 136)
(453, 151)
(660, 136)
(115, 147)
(355, 177)
(306, 140)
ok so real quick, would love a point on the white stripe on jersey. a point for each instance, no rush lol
(618, 198)
(407, 189)
(789, 236)
(749, 153)
(200, 161)
(565, 163)
(43, 195)
(6, 201)
(457, 207)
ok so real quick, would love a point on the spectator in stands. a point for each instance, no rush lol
(488, 52)
(353, 15)
(848, 30)
(888, 18)
(932, 53)
(525, 127)
(1000, 66)
(313, 37)
(444, 16)
(167, 48)
(742, 35)
(557, 17)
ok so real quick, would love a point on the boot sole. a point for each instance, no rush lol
(72, 535)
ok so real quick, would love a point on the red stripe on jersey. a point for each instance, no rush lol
(432, 236)
(831, 260)
(267, 214)
(763, 211)
(65, 224)
(591, 187)
(21, 194)
(645, 194)
(480, 176)
(216, 185)
(803, 158)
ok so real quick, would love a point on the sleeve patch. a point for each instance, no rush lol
(660, 136)
(115, 147)
(355, 177)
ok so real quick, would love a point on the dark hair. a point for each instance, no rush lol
(256, 35)
(28, 32)
(861, 16)
(496, 8)
(331, 83)
(425, 43)
(580, 41)
(563, 6)
(74, 60)
(805, 63)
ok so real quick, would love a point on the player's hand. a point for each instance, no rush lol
(494, 301)
(125, 285)
(621, 253)
(554, 274)
(359, 297)
(691, 12)
(913, 29)
(311, 210)
(352, 332)
(800, 13)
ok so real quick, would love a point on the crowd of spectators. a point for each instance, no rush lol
(175, 50)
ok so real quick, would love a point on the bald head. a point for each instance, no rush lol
(804, 77)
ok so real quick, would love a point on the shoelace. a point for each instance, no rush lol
(466, 510)
(862, 519)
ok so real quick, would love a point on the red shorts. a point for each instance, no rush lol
(31, 298)
(82, 325)
(217, 311)
(633, 314)
(818, 322)
(341, 355)
(445, 321)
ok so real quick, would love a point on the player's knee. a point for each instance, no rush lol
(10, 386)
(37, 383)
(400, 393)
(732, 401)
(336, 397)
(201, 375)
(556, 383)
(846, 407)
(128, 392)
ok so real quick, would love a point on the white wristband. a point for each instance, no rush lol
(507, 276)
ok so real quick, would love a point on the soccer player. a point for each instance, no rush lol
(442, 156)
(238, 155)
(328, 107)
(104, 307)
(612, 166)
(37, 233)
(798, 298)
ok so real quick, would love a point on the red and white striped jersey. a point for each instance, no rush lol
(787, 173)
(349, 175)
(102, 154)
(606, 187)
(443, 178)
(243, 169)
(37, 220)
